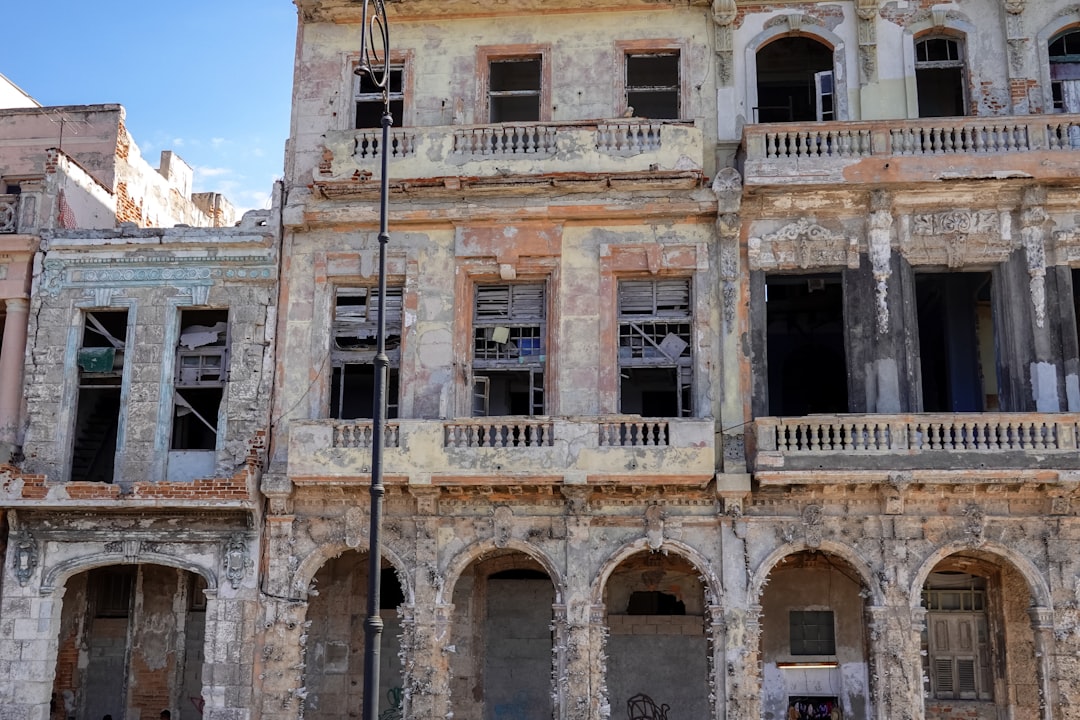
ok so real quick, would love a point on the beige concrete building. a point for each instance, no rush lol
(733, 374)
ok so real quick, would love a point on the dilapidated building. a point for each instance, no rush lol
(733, 374)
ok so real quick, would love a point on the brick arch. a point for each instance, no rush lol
(476, 552)
(760, 575)
(711, 582)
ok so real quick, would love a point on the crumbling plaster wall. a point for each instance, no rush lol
(152, 276)
(443, 78)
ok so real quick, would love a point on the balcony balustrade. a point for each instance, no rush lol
(914, 150)
(518, 149)
(501, 449)
(964, 441)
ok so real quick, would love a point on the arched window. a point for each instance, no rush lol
(1064, 52)
(940, 76)
(795, 81)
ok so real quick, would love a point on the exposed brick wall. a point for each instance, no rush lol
(126, 208)
(123, 142)
(72, 622)
(153, 657)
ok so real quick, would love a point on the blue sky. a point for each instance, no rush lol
(209, 80)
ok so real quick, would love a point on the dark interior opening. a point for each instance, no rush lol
(514, 89)
(653, 392)
(652, 85)
(519, 574)
(785, 79)
(509, 392)
(352, 392)
(956, 342)
(369, 103)
(654, 602)
(805, 345)
(97, 415)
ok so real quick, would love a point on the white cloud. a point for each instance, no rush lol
(209, 172)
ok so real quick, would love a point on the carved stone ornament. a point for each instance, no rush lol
(724, 13)
(974, 523)
(955, 238)
(812, 521)
(237, 562)
(1014, 7)
(24, 557)
(131, 549)
(355, 526)
(654, 527)
(879, 241)
(502, 525)
(1032, 235)
(801, 245)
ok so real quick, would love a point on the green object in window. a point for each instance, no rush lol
(97, 359)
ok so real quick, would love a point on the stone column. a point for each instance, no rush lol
(715, 633)
(585, 636)
(426, 643)
(29, 628)
(895, 662)
(742, 661)
(1042, 626)
(11, 371)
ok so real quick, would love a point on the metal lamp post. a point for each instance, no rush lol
(375, 65)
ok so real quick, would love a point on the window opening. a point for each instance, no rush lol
(369, 99)
(97, 419)
(794, 81)
(202, 353)
(655, 359)
(956, 342)
(812, 632)
(353, 347)
(509, 349)
(514, 89)
(939, 77)
(112, 591)
(807, 363)
(652, 85)
(955, 639)
(1064, 52)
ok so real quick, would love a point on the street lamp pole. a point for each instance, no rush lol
(375, 65)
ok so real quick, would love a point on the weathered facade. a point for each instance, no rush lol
(733, 373)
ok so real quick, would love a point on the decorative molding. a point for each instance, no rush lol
(812, 520)
(954, 238)
(879, 243)
(237, 562)
(24, 557)
(131, 549)
(803, 244)
(355, 526)
(974, 523)
(502, 525)
(60, 274)
(724, 13)
(1033, 221)
(654, 527)
(867, 12)
(1014, 7)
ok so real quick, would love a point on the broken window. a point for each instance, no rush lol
(811, 632)
(654, 347)
(514, 89)
(1064, 52)
(509, 349)
(369, 99)
(652, 85)
(97, 419)
(794, 81)
(956, 342)
(201, 372)
(939, 77)
(352, 351)
(956, 642)
(806, 360)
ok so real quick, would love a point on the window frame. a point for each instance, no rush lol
(980, 657)
(402, 61)
(486, 55)
(683, 363)
(960, 63)
(805, 648)
(340, 358)
(624, 49)
(481, 369)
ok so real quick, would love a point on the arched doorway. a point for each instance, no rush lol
(335, 643)
(813, 640)
(978, 645)
(502, 663)
(795, 81)
(657, 646)
(131, 639)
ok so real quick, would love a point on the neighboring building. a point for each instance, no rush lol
(734, 373)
